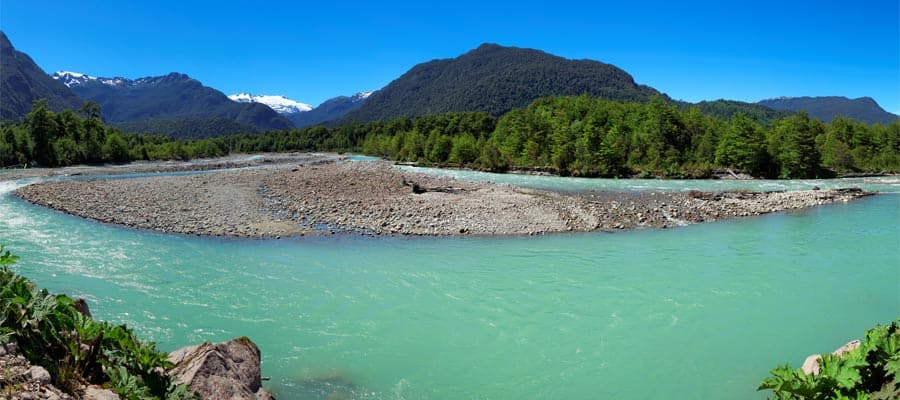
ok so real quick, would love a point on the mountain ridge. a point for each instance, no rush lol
(331, 109)
(490, 78)
(22, 82)
(152, 104)
(826, 108)
(278, 103)
(495, 79)
(302, 114)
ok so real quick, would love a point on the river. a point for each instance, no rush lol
(702, 311)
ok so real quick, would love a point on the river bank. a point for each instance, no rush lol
(320, 194)
(146, 167)
(505, 316)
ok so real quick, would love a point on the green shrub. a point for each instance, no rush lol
(75, 349)
(868, 372)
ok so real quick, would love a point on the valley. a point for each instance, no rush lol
(388, 201)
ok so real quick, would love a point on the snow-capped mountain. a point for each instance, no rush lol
(172, 104)
(280, 104)
(329, 110)
(356, 98)
(70, 79)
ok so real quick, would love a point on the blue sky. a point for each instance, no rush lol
(314, 51)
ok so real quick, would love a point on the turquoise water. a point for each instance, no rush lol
(887, 183)
(697, 312)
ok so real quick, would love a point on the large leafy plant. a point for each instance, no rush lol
(76, 349)
(871, 371)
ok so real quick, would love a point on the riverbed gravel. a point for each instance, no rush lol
(326, 195)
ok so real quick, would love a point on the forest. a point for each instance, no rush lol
(577, 136)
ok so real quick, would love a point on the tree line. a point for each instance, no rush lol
(585, 136)
(578, 136)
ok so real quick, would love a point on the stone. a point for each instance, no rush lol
(12, 348)
(81, 306)
(221, 371)
(96, 393)
(811, 364)
(38, 374)
(852, 345)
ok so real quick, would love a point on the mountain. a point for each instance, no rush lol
(173, 104)
(495, 79)
(22, 82)
(330, 110)
(825, 108)
(726, 109)
(301, 114)
(279, 104)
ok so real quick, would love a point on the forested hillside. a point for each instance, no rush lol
(726, 109)
(176, 105)
(580, 136)
(495, 79)
(22, 82)
(329, 110)
(595, 137)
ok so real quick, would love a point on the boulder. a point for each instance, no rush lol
(38, 374)
(220, 371)
(98, 393)
(811, 364)
(81, 306)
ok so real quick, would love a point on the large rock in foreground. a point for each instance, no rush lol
(220, 371)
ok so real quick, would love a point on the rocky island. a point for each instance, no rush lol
(324, 194)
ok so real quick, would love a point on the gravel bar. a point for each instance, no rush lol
(325, 195)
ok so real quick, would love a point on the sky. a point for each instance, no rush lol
(313, 51)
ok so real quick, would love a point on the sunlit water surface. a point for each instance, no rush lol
(697, 312)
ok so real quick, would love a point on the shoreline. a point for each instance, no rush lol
(256, 160)
(320, 194)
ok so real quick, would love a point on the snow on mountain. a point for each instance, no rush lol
(280, 104)
(362, 96)
(70, 79)
(72, 74)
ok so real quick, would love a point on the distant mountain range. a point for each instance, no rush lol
(491, 78)
(301, 114)
(330, 109)
(22, 82)
(157, 104)
(495, 79)
(279, 104)
(826, 108)
(726, 109)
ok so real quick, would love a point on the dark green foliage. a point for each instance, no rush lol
(870, 372)
(793, 145)
(594, 137)
(726, 109)
(827, 108)
(22, 82)
(742, 146)
(579, 136)
(75, 349)
(187, 127)
(178, 106)
(495, 79)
